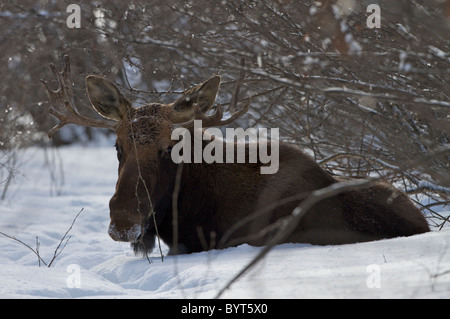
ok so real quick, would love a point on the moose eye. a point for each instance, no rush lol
(166, 152)
(119, 152)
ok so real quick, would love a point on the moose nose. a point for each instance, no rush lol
(126, 233)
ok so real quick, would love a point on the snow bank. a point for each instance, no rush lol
(94, 266)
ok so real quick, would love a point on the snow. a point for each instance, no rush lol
(92, 265)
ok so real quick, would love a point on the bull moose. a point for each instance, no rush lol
(193, 206)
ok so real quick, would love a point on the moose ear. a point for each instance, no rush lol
(203, 94)
(106, 98)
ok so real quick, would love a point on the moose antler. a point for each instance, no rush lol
(62, 104)
(216, 118)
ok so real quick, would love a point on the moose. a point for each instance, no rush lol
(194, 207)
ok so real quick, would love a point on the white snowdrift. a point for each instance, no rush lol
(94, 266)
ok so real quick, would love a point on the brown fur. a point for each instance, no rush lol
(214, 197)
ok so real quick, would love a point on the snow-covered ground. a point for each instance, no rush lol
(94, 266)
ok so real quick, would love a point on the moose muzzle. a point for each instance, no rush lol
(127, 233)
(126, 223)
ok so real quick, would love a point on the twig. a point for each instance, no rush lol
(428, 187)
(26, 245)
(174, 248)
(151, 212)
(56, 254)
(256, 214)
(446, 272)
(359, 156)
(288, 224)
(175, 194)
(235, 97)
(36, 251)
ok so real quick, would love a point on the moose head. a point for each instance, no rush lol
(143, 141)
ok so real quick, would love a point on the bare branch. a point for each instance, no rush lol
(235, 97)
(175, 194)
(62, 104)
(288, 224)
(57, 253)
(26, 245)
